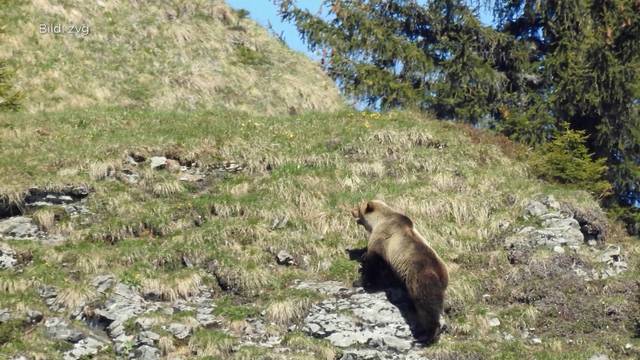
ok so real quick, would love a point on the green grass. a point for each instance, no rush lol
(311, 169)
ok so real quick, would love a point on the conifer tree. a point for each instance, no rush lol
(388, 54)
(547, 62)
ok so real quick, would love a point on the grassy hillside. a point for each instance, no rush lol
(288, 185)
(163, 54)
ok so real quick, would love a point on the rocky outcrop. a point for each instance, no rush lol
(365, 325)
(557, 228)
(566, 228)
(15, 225)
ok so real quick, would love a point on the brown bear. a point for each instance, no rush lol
(395, 244)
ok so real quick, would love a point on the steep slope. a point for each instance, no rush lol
(213, 234)
(163, 54)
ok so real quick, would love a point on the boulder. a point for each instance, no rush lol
(18, 227)
(8, 258)
(59, 329)
(158, 162)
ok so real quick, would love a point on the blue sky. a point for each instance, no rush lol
(264, 11)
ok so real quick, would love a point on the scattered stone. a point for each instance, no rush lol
(558, 249)
(147, 338)
(5, 315)
(145, 323)
(231, 166)
(284, 258)
(180, 331)
(34, 316)
(182, 306)
(37, 197)
(128, 176)
(551, 202)
(493, 322)
(158, 162)
(103, 283)
(146, 352)
(59, 329)
(18, 227)
(85, 349)
(535, 208)
(599, 357)
(123, 304)
(8, 258)
(49, 294)
(610, 255)
(208, 321)
(536, 341)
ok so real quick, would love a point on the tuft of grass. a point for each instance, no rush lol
(208, 343)
(285, 312)
(44, 218)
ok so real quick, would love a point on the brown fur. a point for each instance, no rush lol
(393, 240)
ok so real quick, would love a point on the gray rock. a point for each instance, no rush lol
(182, 306)
(558, 249)
(180, 331)
(208, 320)
(493, 322)
(551, 202)
(599, 357)
(5, 315)
(610, 255)
(18, 227)
(102, 283)
(85, 348)
(147, 338)
(556, 230)
(535, 208)
(368, 321)
(145, 323)
(60, 329)
(158, 162)
(396, 344)
(284, 258)
(34, 316)
(146, 352)
(128, 176)
(8, 258)
(49, 294)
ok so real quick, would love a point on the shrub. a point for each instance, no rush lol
(566, 159)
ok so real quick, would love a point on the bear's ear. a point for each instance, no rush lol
(369, 207)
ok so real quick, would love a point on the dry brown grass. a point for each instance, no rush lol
(200, 66)
(173, 288)
(287, 311)
(45, 219)
(73, 296)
